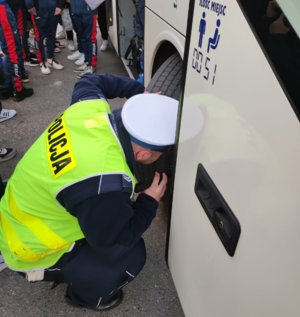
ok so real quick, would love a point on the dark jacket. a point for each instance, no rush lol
(111, 223)
(15, 3)
(80, 7)
(45, 5)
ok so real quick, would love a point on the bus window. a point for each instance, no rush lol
(276, 26)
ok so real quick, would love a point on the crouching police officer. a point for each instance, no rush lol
(66, 215)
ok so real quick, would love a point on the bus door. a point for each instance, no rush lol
(234, 235)
(121, 20)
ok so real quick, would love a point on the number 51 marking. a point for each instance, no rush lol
(207, 76)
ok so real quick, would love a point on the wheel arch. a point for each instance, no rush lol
(159, 52)
(164, 50)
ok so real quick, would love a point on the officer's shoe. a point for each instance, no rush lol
(115, 301)
(5, 93)
(24, 93)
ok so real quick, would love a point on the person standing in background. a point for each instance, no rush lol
(77, 56)
(103, 26)
(63, 34)
(85, 20)
(5, 114)
(20, 12)
(45, 17)
(13, 62)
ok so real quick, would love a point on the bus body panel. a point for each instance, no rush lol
(155, 35)
(239, 124)
(174, 16)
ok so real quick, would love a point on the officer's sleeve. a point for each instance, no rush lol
(107, 86)
(112, 225)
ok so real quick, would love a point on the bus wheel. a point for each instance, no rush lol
(167, 79)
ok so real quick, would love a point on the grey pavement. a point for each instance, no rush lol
(152, 293)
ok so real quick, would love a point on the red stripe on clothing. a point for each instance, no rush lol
(94, 32)
(8, 34)
(39, 56)
(37, 38)
(20, 22)
(18, 83)
(23, 52)
(94, 61)
(36, 31)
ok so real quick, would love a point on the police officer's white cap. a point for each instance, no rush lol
(150, 120)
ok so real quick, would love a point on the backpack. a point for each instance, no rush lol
(135, 48)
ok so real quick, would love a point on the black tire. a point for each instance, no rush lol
(167, 79)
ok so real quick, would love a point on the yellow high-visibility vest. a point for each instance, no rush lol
(35, 230)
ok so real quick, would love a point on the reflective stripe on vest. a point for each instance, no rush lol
(35, 230)
(49, 238)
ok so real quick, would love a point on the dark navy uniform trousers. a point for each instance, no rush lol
(20, 12)
(79, 43)
(86, 29)
(90, 281)
(45, 24)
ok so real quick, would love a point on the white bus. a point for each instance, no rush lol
(164, 36)
(234, 225)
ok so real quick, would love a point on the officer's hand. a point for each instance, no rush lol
(278, 27)
(32, 11)
(155, 93)
(157, 190)
(57, 11)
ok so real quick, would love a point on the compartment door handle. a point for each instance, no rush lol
(217, 210)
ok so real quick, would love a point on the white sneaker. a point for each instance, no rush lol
(5, 154)
(53, 63)
(74, 56)
(88, 69)
(45, 69)
(71, 46)
(7, 114)
(80, 69)
(104, 46)
(80, 60)
(61, 35)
